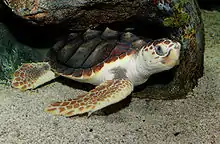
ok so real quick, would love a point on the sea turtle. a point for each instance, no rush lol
(114, 61)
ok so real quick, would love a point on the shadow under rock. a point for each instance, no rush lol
(209, 4)
(29, 33)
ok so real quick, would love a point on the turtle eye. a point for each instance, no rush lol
(159, 50)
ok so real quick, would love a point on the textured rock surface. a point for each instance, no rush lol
(77, 11)
(179, 20)
(187, 19)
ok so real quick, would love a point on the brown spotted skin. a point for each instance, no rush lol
(158, 41)
(150, 46)
(105, 94)
(28, 74)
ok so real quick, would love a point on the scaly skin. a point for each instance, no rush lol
(105, 94)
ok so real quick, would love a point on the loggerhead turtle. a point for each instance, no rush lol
(114, 61)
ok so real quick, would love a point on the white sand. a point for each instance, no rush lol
(193, 120)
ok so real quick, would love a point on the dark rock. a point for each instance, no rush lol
(187, 18)
(80, 14)
(179, 20)
(209, 4)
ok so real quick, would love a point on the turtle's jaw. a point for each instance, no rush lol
(172, 58)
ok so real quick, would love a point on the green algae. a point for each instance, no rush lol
(179, 17)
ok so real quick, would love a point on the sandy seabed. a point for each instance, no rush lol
(194, 120)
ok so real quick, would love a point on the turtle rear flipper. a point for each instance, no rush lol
(32, 75)
(107, 93)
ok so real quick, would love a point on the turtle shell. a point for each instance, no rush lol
(92, 48)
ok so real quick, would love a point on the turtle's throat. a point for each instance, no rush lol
(142, 63)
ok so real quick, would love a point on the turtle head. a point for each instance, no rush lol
(161, 54)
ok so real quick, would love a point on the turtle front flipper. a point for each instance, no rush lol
(107, 93)
(32, 75)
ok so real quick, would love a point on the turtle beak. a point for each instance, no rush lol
(172, 57)
(168, 53)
